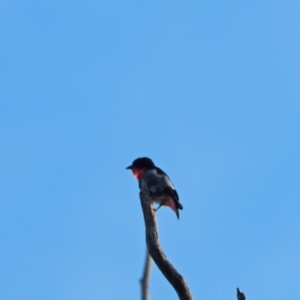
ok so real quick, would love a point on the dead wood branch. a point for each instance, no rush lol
(146, 277)
(156, 252)
(240, 295)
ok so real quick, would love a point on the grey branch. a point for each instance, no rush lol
(146, 277)
(156, 252)
(240, 295)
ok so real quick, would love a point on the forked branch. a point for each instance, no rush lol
(156, 252)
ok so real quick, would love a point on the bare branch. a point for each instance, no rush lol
(240, 295)
(156, 252)
(146, 277)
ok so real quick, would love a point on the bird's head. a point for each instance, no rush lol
(140, 166)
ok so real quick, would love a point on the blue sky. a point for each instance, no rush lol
(209, 90)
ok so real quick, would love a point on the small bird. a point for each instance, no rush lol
(156, 183)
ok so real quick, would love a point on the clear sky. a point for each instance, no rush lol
(209, 90)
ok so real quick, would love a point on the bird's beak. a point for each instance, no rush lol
(129, 168)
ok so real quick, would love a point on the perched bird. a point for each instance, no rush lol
(156, 183)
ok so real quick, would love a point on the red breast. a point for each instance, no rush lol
(138, 173)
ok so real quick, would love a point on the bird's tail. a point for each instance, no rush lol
(174, 205)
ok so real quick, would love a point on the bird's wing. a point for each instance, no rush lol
(165, 178)
(168, 185)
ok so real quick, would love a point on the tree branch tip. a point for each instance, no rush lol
(240, 295)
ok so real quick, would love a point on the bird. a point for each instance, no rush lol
(156, 183)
